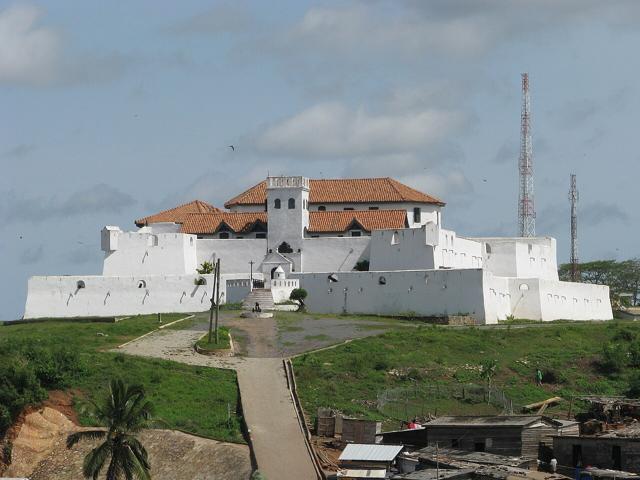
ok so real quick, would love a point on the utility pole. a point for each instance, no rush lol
(217, 296)
(437, 463)
(251, 275)
(213, 301)
(526, 207)
(573, 200)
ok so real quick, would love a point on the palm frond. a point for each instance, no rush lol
(84, 435)
(95, 459)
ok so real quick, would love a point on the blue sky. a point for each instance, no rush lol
(114, 110)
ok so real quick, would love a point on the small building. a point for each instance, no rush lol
(615, 449)
(510, 435)
(361, 474)
(355, 430)
(358, 456)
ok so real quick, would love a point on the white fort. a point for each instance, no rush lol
(372, 246)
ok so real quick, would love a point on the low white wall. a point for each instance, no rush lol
(281, 288)
(60, 297)
(334, 253)
(234, 254)
(574, 301)
(422, 292)
(539, 299)
(237, 290)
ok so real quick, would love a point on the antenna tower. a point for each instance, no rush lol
(526, 208)
(573, 199)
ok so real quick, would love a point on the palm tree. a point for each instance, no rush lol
(125, 411)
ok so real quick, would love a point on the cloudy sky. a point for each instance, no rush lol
(113, 110)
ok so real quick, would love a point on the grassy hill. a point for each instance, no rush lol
(424, 370)
(73, 355)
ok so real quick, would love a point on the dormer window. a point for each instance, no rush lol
(276, 203)
(292, 203)
(223, 235)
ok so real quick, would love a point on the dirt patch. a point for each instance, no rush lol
(40, 453)
(62, 401)
(173, 455)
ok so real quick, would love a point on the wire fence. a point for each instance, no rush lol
(420, 400)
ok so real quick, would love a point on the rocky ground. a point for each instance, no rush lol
(39, 453)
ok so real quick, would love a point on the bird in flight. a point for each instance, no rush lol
(232, 148)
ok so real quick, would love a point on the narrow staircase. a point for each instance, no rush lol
(262, 296)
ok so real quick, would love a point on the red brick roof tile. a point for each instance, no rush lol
(347, 190)
(179, 213)
(207, 223)
(368, 220)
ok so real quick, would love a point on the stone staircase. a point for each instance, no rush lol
(260, 295)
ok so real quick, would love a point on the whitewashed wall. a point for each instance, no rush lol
(237, 290)
(334, 253)
(150, 254)
(426, 293)
(574, 301)
(234, 254)
(59, 297)
(281, 288)
(497, 298)
(403, 249)
(520, 257)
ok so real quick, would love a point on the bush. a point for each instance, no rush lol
(206, 268)
(634, 386)
(362, 266)
(634, 354)
(613, 358)
(54, 367)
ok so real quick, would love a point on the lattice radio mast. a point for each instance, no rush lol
(573, 199)
(526, 208)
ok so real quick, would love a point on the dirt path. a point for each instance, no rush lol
(266, 401)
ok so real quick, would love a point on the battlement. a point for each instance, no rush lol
(288, 182)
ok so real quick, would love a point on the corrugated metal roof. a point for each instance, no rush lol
(368, 452)
(350, 473)
(489, 421)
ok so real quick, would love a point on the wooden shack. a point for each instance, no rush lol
(510, 435)
(616, 449)
(360, 431)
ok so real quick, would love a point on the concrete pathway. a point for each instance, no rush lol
(278, 442)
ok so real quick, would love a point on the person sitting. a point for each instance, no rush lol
(257, 308)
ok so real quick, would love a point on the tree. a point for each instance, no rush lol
(298, 295)
(488, 370)
(125, 411)
(205, 269)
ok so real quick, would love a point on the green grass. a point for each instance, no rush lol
(189, 398)
(223, 337)
(351, 376)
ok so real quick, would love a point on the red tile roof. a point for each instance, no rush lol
(368, 220)
(179, 213)
(319, 222)
(347, 190)
(207, 223)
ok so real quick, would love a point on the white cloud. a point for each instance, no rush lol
(333, 130)
(28, 52)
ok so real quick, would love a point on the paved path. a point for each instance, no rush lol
(269, 412)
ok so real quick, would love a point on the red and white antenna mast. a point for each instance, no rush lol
(526, 208)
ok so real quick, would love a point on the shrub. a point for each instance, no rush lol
(634, 386)
(634, 354)
(612, 358)
(362, 266)
(206, 268)
(298, 295)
